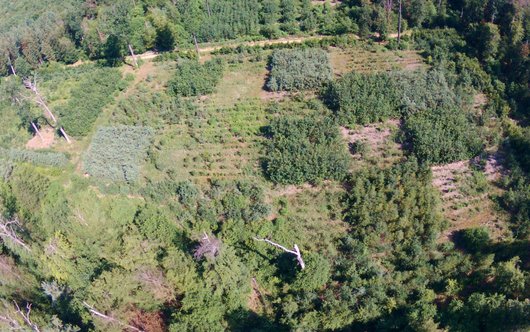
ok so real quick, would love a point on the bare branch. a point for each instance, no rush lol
(25, 316)
(39, 100)
(7, 230)
(296, 251)
(209, 246)
(109, 318)
(38, 97)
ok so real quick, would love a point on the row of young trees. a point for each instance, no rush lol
(66, 31)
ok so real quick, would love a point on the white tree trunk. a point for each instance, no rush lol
(399, 23)
(295, 252)
(11, 66)
(133, 55)
(61, 129)
(109, 318)
(37, 131)
(196, 47)
(7, 231)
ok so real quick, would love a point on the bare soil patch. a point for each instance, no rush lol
(379, 146)
(44, 141)
(463, 208)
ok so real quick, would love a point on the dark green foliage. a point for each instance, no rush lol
(516, 200)
(315, 275)
(442, 135)
(481, 312)
(87, 100)
(363, 98)
(194, 79)
(115, 153)
(474, 239)
(305, 150)
(229, 19)
(53, 159)
(29, 188)
(293, 70)
(156, 226)
(396, 207)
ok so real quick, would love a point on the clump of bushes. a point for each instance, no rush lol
(52, 159)
(306, 149)
(393, 207)
(194, 79)
(363, 98)
(299, 69)
(441, 136)
(116, 152)
(474, 239)
(88, 99)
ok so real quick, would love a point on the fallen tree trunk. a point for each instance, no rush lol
(295, 252)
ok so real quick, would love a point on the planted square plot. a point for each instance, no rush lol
(294, 70)
(116, 152)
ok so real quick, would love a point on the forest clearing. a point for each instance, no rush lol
(260, 165)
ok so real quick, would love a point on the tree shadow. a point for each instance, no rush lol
(244, 320)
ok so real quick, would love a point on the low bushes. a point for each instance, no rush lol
(306, 149)
(299, 69)
(88, 99)
(194, 79)
(442, 135)
(116, 152)
(52, 159)
(363, 98)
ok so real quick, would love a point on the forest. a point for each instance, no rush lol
(264, 165)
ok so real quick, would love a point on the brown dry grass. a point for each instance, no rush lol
(463, 209)
(382, 150)
(44, 142)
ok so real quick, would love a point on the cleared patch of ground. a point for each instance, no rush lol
(373, 144)
(466, 194)
(372, 58)
(43, 141)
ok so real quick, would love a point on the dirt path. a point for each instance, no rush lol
(209, 48)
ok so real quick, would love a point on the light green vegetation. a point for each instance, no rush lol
(156, 214)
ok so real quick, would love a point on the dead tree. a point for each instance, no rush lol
(399, 23)
(107, 318)
(133, 55)
(8, 231)
(196, 47)
(208, 8)
(32, 85)
(11, 65)
(39, 99)
(14, 324)
(209, 247)
(388, 4)
(37, 131)
(295, 252)
(26, 318)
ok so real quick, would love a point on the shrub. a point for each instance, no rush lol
(442, 136)
(194, 79)
(87, 100)
(52, 159)
(394, 207)
(293, 70)
(115, 153)
(474, 239)
(363, 98)
(305, 150)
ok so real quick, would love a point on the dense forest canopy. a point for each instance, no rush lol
(256, 165)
